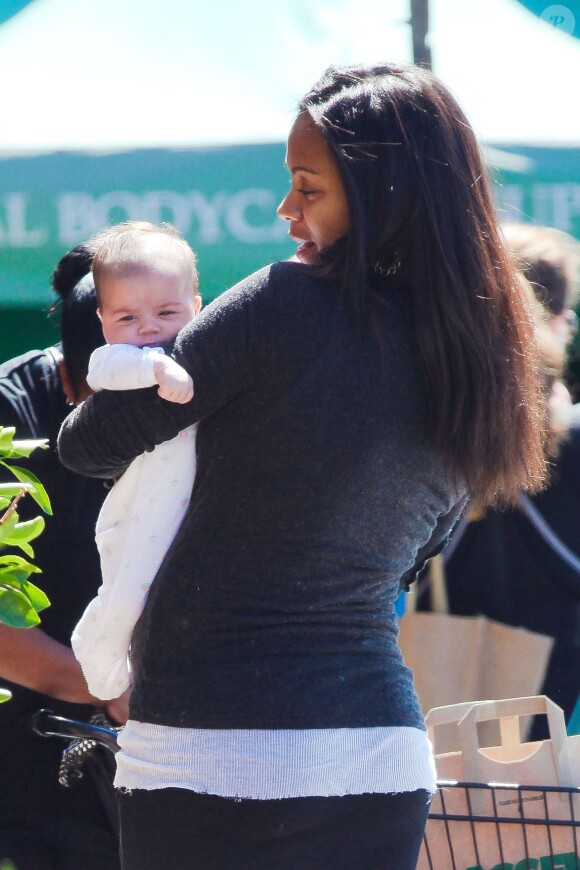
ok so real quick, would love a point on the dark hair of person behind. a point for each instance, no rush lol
(69, 270)
(420, 205)
(80, 327)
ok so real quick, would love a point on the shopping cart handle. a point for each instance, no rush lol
(47, 724)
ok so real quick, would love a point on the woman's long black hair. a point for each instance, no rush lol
(420, 205)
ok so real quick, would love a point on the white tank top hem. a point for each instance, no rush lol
(274, 764)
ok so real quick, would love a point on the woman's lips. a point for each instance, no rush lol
(307, 253)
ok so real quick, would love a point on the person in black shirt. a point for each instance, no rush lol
(44, 826)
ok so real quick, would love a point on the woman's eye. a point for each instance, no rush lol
(306, 192)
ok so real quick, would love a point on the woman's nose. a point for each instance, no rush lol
(289, 209)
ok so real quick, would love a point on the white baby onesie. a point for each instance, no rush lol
(136, 525)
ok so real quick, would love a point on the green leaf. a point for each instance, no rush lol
(11, 490)
(36, 596)
(38, 492)
(26, 446)
(13, 577)
(26, 548)
(25, 531)
(13, 561)
(13, 539)
(8, 526)
(6, 436)
(5, 695)
(20, 600)
(17, 577)
(16, 610)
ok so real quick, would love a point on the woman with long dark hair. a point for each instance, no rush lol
(347, 405)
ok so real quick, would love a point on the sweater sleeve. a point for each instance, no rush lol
(122, 367)
(246, 333)
(437, 542)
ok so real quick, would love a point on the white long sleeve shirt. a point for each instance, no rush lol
(135, 528)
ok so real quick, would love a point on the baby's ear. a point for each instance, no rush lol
(197, 303)
(100, 314)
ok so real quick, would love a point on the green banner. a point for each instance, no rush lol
(541, 185)
(222, 199)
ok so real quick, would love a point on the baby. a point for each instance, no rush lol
(146, 283)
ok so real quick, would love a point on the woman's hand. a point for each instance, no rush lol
(118, 708)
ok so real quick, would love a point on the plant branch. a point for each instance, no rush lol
(13, 505)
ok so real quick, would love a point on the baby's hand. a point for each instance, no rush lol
(175, 385)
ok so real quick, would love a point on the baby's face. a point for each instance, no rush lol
(145, 310)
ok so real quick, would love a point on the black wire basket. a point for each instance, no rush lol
(477, 826)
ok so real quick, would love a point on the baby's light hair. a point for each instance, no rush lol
(134, 247)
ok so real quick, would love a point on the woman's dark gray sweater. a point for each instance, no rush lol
(317, 488)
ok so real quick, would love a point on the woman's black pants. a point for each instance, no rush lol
(182, 830)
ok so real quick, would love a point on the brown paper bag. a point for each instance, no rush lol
(533, 824)
(464, 658)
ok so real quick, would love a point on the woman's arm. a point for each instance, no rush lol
(103, 435)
